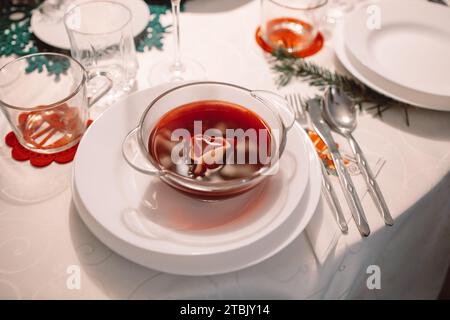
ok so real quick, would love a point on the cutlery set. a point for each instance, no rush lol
(327, 188)
(337, 112)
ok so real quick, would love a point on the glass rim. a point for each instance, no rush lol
(68, 12)
(275, 158)
(53, 104)
(317, 6)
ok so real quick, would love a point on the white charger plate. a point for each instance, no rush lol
(148, 222)
(410, 50)
(221, 263)
(380, 84)
(55, 34)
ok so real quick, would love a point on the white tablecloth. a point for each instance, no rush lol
(39, 240)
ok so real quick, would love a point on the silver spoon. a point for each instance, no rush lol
(341, 114)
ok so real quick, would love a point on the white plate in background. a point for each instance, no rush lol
(411, 49)
(55, 34)
(380, 84)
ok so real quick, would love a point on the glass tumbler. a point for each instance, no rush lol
(101, 38)
(291, 24)
(48, 113)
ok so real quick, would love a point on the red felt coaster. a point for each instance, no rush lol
(315, 47)
(20, 153)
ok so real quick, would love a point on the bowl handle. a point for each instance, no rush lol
(278, 104)
(135, 156)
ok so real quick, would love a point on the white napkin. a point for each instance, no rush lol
(322, 231)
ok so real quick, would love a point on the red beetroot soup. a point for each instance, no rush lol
(211, 141)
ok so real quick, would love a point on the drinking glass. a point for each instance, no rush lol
(179, 68)
(47, 113)
(101, 38)
(291, 24)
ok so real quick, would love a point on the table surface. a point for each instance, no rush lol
(41, 234)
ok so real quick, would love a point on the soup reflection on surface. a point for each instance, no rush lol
(211, 141)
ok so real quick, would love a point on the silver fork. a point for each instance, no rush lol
(297, 104)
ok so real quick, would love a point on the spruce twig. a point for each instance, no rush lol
(289, 67)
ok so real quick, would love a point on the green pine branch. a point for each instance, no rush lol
(288, 68)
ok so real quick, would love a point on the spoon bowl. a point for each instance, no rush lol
(339, 111)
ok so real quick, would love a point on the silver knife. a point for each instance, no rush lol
(332, 200)
(323, 130)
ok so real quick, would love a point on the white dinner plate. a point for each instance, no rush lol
(410, 50)
(148, 222)
(55, 34)
(380, 84)
(172, 222)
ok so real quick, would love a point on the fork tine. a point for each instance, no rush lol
(297, 107)
(300, 105)
(288, 98)
(293, 104)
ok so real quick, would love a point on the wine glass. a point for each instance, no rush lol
(179, 68)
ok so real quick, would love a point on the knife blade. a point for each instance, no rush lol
(351, 196)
